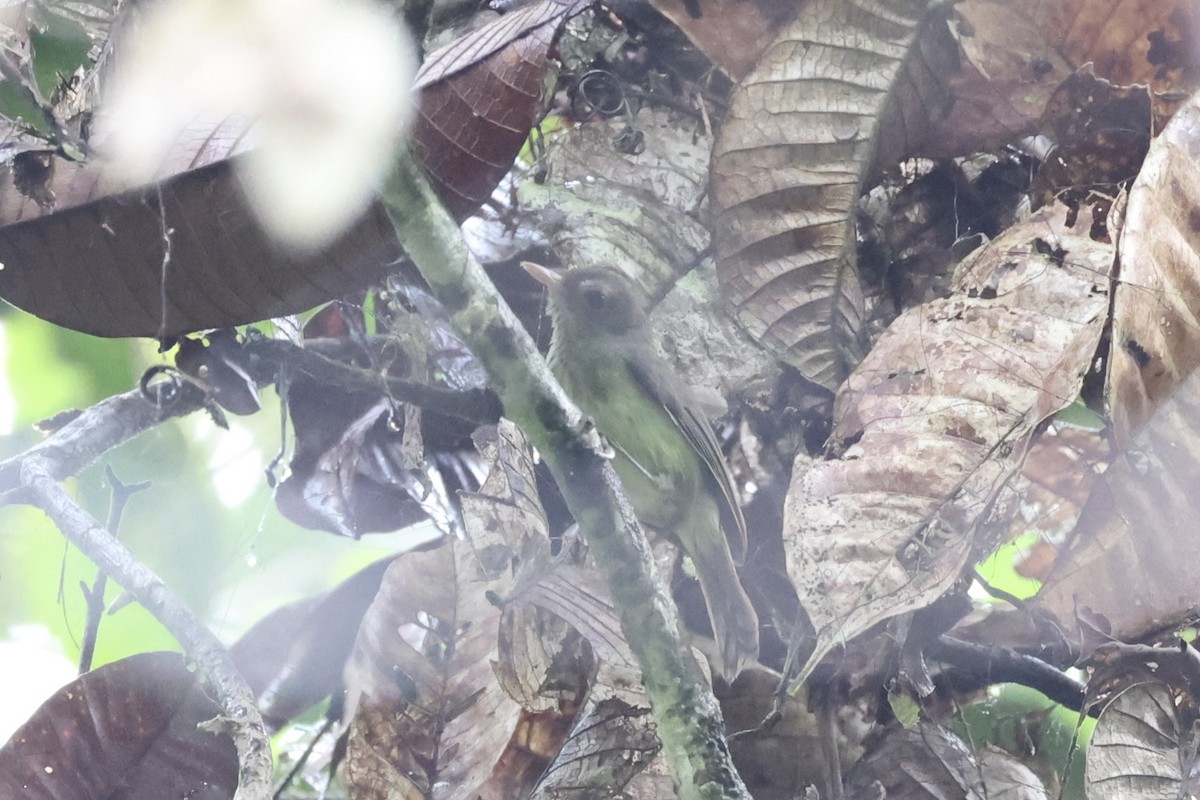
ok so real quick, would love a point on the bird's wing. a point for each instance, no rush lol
(675, 400)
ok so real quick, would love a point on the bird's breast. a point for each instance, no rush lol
(658, 467)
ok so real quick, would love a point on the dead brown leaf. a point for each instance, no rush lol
(842, 90)
(933, 424)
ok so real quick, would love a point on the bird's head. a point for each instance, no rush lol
(592, 302)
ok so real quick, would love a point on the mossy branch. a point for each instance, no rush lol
(688, 716)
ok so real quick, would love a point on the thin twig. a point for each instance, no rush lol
(95, 596)
(240, 718)
(119, 418)
(997, 592)
(303, 759)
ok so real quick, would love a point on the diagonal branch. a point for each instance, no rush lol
(240, 718)
(97, 430)
(688, 717)
(119, 418)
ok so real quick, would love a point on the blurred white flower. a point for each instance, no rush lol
(317, 91)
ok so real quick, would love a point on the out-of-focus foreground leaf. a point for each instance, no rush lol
(932, 425)
(125, 731)
(96, 260)
(1129, 559)
(293, 658)
(847, 86)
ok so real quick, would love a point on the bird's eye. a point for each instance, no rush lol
(594, 299)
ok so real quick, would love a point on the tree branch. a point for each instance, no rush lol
(240, 718)
(109, 423)
(689, 718)
(991, 665)
(117, 419)
(477, 406)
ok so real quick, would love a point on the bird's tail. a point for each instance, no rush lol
(734, 621)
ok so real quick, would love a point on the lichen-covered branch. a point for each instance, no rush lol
(98, 429)
(689, 719)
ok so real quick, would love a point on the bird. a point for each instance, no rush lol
(665, 451)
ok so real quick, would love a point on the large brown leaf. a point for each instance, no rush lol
(125, 731)
(847, 86)
(1140, 748)
(98, 262)
(480, 96)
(933, 423)
(1017, 52)
(188, 255)
(1144, 744)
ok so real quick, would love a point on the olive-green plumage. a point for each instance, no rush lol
(667, 455)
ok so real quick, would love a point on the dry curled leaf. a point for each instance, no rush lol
(1100, 133)
(611, 745)
(1156, 339)
(1135, 752)
(932, 425)
(427, 711)
(347, 475)
(845, 88)
(1017, 52)
(926, 763)
(732, 33)
(1144, 745)
(1129, 556)
(429, 717)
(612, 749)
(480, 96)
